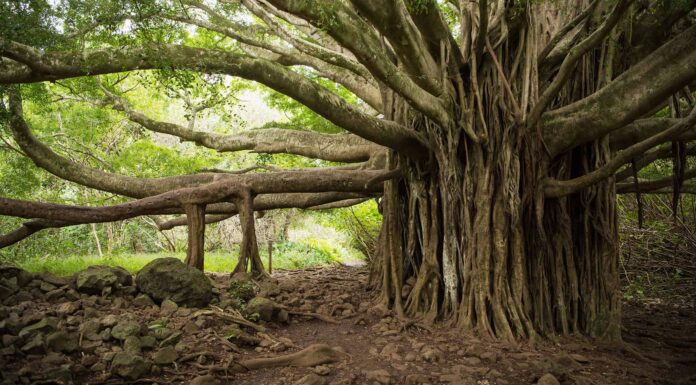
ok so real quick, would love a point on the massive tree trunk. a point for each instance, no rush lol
(469, 237)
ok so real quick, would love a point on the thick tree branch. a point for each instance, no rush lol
(662, 152)
(351, 31)
(556, 188)
(639, 89)
(53, 66)
(332, 147)
(392, 19)
(572, 58)
(646, 186)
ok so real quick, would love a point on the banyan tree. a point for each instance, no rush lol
(497, 134)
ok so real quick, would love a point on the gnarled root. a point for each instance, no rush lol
(312, 355)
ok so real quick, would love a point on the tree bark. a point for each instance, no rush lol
(195, 217)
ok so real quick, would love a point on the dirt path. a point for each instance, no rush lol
(378, 349)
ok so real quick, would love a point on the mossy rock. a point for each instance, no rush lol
(94, 279)
(169, 278)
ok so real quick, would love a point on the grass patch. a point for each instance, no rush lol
(288, 255)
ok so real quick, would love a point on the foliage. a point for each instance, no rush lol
(287, 255)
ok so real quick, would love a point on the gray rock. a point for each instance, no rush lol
(132, 344)
(242, 287)
(311, 379)
(95, 279)
(129, 365)
(124, 329)
(8, 286)
(168, 307)
(205, 380)
(109, 321)
(169, 278)
(264, 307)
(62, 341)
(46, 324)
(548, 379)
(380, 375)
(35, 346)
(143, 300)
(22, 277)
(165, 356)
(148, 342)
(67, 308)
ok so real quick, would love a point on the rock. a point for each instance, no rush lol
(46, 287)
(205, 380)
(165, 356)
(95, 279)
(90, 330)
(132, 344)
(35, 346)
(242, 287)
(124, 329)
(268, 288)
(322, 370)
(580, 358)
(46, 324)
(380, 375)
(311, 379)
(8, 286)
(22, 277)
(168, 307)
(143, 300)
(129, 365)
(548, 379)
(109, 321)
(264, 307)
(169, 278)
(62, 341)
(416, 379)
(173, 339)
(148, 342)
(67, 308)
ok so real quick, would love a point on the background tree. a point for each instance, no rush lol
(496, 126)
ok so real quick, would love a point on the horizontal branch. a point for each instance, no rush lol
(61, 65)
(556, 188)
(651, 185)
(332, 147)
(640, 88)
(661, 152)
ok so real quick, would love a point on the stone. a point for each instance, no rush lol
(148, 342)
(268, 288)
(132, 344)
(129, 365)
(143, 300)
(46, 324)
(380, 375)
(169, 278)
(35, 346)
(548, 379)
(110, 320)
(205, 380)
(416, 379)
(173, 339)
(241, 287)
(22, 277)
(165, 356)
(322, 370)
(124, 329)
(67, 308)
(168, 307)
(62, 341)
(311, 379)
(264, 307)
(95, 279)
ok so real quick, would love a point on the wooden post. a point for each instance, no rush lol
(195, 218)
(270, 257)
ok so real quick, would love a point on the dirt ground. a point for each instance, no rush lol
(660, 349)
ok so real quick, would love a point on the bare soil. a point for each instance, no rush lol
(380, 349)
